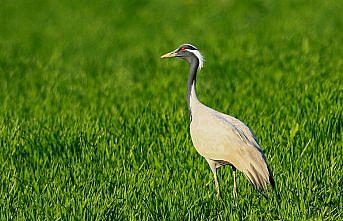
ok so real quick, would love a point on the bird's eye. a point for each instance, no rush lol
(183, 49)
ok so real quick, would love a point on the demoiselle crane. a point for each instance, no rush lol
(221, 139)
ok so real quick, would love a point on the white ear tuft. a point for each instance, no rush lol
(199, 56)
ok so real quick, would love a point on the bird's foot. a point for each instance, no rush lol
(235, 192)
(218, 195)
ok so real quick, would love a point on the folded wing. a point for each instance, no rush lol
(220, 137)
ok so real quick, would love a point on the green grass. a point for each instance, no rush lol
(94, 125)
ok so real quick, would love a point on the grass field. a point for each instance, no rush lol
(94, 125)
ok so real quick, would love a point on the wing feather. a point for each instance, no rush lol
(220, 137)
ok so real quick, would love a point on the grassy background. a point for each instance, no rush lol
(93, 125)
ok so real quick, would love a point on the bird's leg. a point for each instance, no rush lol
(213, 167)
(216, 184)
(234, 182)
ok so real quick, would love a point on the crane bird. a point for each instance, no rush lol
(221, 139)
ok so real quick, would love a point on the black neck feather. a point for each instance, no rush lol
(194, 64)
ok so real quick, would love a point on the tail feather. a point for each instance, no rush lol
(271, 180)
(259, 175)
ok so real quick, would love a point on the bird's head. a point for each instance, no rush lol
(187, 52)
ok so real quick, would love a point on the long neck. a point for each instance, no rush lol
(191, 83)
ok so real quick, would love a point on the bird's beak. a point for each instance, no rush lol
(169, 55)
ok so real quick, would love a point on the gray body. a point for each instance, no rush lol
(222, 139)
